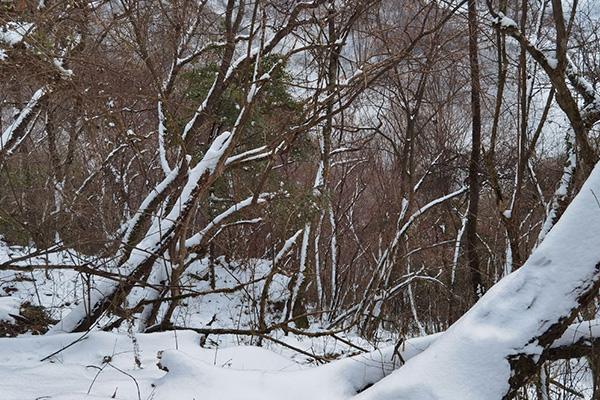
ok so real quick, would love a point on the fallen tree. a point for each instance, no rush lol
(496, 346)
(343, 378)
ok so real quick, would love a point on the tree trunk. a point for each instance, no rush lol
(472, 211)
(501, 342)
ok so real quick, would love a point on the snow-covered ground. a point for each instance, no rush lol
(124, 365)
(173, 365)
(103, 365)
(9, 306)
(183, 364)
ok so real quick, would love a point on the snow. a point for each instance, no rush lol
(356, 75)
(197, 238)
(91, 363)
(562, 189)
(57, 290)
(552, 62)
(9, 306)
(218, 367)
(14, 32)
(70, 373)
(333, 381)
(66, 73)
(228, 310)
(161, 139)
(251, 93)
(301, 273)
(88, 369)
(521, 307)
(201, 108)
(457, 246)
(579, 332)
(146, 203)
(7, 135)
(156, 233)
(189, 371)
(505, 22)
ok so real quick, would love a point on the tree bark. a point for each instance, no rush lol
(472, 211)
(501, 342)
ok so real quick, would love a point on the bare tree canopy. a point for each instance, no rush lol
(403, 191)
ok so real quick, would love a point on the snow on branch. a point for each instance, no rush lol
(198, 238)
(561, 194)
(497, 344)
(400, 232)
(13, 132)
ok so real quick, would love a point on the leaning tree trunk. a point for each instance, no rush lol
(501, 342)
(472, 211)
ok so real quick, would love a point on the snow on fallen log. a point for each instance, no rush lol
(579, 340)
(229, 373)
(496, 345)
(337, 380)
(240, 372)
(340, 379)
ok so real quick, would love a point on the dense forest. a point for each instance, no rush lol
(283, 199)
